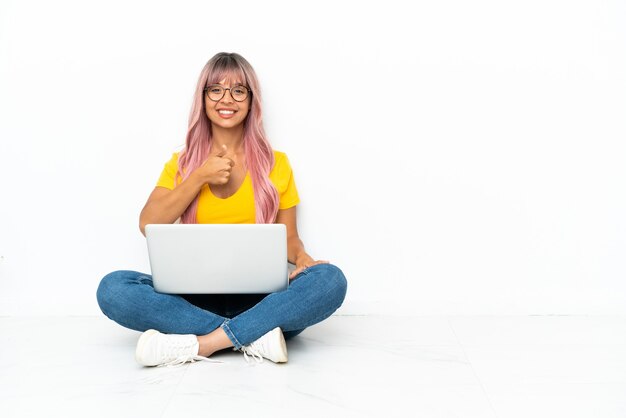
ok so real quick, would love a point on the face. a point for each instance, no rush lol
(227, 112)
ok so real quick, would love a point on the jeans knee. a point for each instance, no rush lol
(104, 291)
(336, 281)
(109, 290)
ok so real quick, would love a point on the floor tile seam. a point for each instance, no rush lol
(174, 390)
(474, 371)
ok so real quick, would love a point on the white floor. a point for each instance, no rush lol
(347, 366)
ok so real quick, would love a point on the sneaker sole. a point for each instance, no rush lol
(141, 343)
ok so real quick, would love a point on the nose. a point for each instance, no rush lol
(227, 94)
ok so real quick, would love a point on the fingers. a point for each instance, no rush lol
(222, 151)
(217, 168)
(296, 272)
(303, 267)
(225, 165)
(222, 154)
(223, 176)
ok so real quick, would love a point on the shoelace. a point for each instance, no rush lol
(179, 361)
(178, 348)
(253, 353)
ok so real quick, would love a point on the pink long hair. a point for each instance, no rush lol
(258, 152)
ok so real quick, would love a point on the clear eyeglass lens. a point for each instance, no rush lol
(239, 93)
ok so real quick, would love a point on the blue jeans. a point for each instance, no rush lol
(129, 298)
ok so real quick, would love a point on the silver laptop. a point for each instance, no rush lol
(224, 258)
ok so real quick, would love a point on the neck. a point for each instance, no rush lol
(232, 138)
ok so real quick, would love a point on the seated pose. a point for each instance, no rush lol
(227, 173)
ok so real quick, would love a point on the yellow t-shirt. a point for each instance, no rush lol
(238, 208)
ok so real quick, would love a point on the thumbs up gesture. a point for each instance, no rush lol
(217, 168)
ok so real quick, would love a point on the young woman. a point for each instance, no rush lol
(227, 173)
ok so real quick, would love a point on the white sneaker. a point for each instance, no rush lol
(157, 349)
(271, 346)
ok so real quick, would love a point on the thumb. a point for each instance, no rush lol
(222, 152)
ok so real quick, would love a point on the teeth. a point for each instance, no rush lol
(226, 112)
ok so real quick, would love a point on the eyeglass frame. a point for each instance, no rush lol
(206, 89)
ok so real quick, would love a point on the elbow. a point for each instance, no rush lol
(142, 224)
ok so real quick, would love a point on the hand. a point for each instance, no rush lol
(217, 168)
(303, 262)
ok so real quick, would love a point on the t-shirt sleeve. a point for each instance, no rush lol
(285, 183)
(169, 171)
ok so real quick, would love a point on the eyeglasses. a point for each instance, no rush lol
(215, 92)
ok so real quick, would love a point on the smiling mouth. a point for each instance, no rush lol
(226, 112)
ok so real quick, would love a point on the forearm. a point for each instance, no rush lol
(169, 207)
(295, 249)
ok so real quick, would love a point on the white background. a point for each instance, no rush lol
(452, 157)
